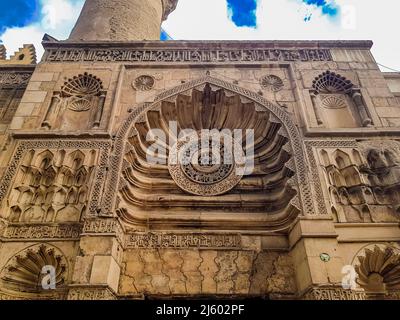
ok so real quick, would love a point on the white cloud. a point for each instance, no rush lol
(58, 19)
(284, 19)
(277, 19)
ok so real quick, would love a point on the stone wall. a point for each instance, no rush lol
(335, 117)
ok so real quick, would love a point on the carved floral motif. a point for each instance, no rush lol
(144, 83)
(272, 82)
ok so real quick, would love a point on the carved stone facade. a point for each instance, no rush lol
(89, 185)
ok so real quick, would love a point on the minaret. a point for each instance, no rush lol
(121, 20)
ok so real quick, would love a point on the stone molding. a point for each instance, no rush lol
(184, 241)
(184, 55)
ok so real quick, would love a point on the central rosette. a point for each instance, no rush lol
(207, 162)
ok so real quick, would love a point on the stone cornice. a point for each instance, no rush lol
(215, 45)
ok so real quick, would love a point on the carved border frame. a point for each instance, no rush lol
(100, 174)
(116, 160)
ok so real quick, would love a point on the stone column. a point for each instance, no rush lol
(55, 100)
(362, 109)
(121, 20)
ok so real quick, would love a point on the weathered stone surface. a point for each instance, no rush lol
(77, 188)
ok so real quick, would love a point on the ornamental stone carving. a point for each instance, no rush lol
(199, 56)
(51, 186)
(343, 103)
(144, 83)
(79, 103)
(213, 169)
(378, 270)
(151, 182)
(272, 82)
(363, 183)
(14, 79)
(23, 273)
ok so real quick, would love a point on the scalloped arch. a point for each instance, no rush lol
(116, 161)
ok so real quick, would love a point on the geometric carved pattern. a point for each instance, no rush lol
(14, 79)
(23, 273)
(378, 200)
(24, 146)
(202, 173)
(379, 270)
(52, 186)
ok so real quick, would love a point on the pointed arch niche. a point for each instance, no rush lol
(337, 103)
(268, 199)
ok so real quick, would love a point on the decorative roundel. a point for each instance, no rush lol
(271, 82)
(206, 164)
(333, 102)
(144, 83)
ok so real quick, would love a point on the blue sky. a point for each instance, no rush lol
(18, 13)
(25, 21)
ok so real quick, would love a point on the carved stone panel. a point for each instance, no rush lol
(50, 181)
(23, 274)
(185, 176)
(12, 88)
(362, 181)
(78, 106)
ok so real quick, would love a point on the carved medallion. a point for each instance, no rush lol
(272, 82)
(144, 83)
(207, 170)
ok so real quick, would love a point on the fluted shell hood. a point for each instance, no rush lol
(267, 191)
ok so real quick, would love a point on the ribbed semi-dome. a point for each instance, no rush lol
(195, 188)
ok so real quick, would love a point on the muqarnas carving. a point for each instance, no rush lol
(363, 186)
(23, 272)
(79, 104)
(337, 103)
(51, 186)
(187, 189)
(378, 271)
